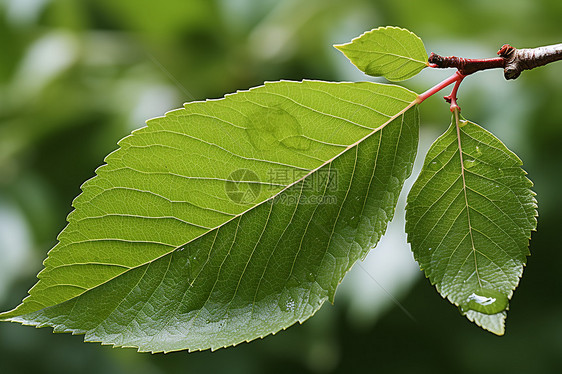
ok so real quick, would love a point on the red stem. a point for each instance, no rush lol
(465, 65)
(457, 77)
(452, 98)
(513, 61)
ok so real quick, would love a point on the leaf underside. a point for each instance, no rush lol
(391, 52)
(469, 219)
(229, 219)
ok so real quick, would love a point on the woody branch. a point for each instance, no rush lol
(511, 59)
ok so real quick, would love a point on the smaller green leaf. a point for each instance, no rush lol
(469, 219)
(391, 52)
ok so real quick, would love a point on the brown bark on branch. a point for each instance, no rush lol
(511, 59)
(517, 60)
(465, 66)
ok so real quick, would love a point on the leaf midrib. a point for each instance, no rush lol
(411, 59)
(376, 130)
(361, 140)
(466, 198)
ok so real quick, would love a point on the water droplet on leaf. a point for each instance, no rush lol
(469, 163)
(434, 165)
(477, 152)
(287, 304)
(271, 127)
(462, 123)
(485, 301)
(291, 306)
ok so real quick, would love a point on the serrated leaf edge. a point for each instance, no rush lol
(5, 316)
(470, 314)
(345, 46)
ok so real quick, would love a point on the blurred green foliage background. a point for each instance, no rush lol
(76, 76)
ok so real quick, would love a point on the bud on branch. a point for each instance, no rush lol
(517, 60)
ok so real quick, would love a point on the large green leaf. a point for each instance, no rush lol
(389, 52)
(229, 219)
(469, 219)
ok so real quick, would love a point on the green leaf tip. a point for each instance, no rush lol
(230, 219)
(469, 219)
(391, 52)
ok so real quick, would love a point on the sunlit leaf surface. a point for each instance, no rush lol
(229, 219)
(389, 52)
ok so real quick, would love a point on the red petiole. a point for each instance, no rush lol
(452, 98)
